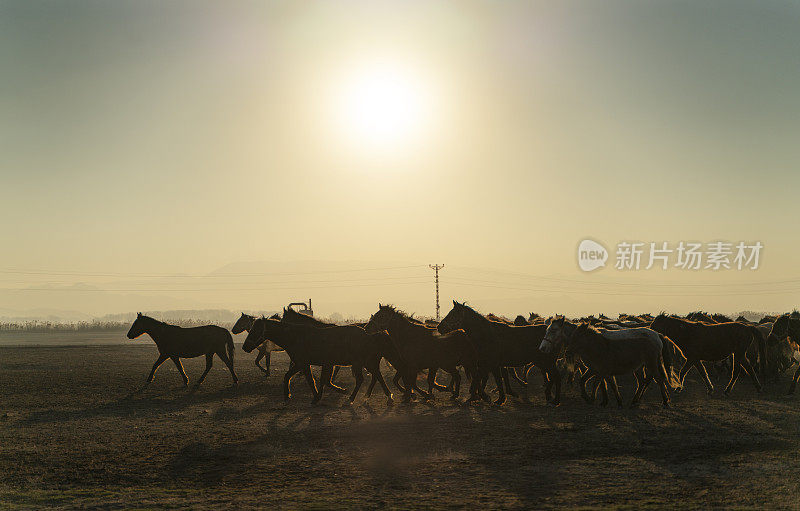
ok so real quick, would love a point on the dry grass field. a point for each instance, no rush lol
(74, 434)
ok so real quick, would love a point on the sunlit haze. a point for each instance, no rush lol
(236, 156)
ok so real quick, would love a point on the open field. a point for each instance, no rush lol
(72, 434)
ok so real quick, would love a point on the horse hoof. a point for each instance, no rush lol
(499, 402)
(710, 391)
(666, 406)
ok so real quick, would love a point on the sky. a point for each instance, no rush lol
(335, 149)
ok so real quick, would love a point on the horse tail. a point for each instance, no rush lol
(668, 351)
(229, 345)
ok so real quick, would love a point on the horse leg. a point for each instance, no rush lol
(161, 359)
(287, 378)
(794, 380)
(474, 394)
(358, 373)
(455, 378)
(662, 378)
(329, 382)
(375, 371)
(498, 381)
(748, 368)
(507, 382)
(701, 368)
(408, 385)
(371, 385)
(325, 375)
(313, 384)
(685, 369)
(482, 386)
(614, 387)
(396, 381)
(735, 369)
(178, 364)
(585, 377)
(263, 354)
(603, 390)
(637, 394)
(209, 363)
(228, 362)
(432, 380)
(647, 379)
(557, 377)
(415, 386)
(547, 385)
(522, 380)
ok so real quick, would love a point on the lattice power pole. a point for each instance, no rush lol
(436, 268)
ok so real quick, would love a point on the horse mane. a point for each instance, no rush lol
(592, 328)
(154, 320)
(393, 308)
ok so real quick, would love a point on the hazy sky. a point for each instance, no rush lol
(140, 139)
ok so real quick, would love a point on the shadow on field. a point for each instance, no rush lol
(143, 404)
(399, 446)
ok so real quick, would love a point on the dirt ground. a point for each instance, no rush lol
(73, 433)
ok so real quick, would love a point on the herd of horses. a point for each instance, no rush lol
(590, 350)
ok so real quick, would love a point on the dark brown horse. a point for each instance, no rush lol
(243, 324)
(293, 317)
(421, 348)
(500, 345)
(700, 316)
(782, 346)
(700, 341)
(520, 320)
(327, 347)
(175, 343)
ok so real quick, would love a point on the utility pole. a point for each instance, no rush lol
(436, 268)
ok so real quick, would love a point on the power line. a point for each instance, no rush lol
(19, 271)
(469, 283)
(142, 290)
(600, 282)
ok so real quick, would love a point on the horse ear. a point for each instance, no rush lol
(138, 314)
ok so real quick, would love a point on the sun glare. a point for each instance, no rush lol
(383, 108)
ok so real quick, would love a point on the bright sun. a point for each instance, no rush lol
(383, 108)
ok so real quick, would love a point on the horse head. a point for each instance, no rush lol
(138, 327)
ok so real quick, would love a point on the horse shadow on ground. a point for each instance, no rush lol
(140, 404)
